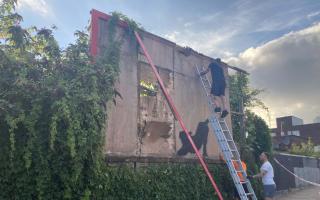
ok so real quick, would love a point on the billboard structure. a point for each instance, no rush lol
(141, 126)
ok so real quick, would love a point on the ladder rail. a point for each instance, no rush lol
(229, 160)
(244, 173)
(230, 164)
(230, 154)
(238, 157)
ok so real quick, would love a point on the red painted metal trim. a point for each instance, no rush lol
(177, 115)
(94, 33)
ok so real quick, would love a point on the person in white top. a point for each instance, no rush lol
(267, 174)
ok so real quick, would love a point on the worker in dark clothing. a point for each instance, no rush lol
(218, 86)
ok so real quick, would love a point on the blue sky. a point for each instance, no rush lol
(230, 26)
(277, 41)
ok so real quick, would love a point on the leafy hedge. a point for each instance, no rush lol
(52, 112)
(166, 182)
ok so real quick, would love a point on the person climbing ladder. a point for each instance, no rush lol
(218, 86)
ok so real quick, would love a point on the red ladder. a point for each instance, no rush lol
(177, 115)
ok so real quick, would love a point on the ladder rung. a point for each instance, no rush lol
(242, 182)
(205, 84)
(233, 150)
(233, 160)
(249, 194)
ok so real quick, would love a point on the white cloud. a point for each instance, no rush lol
(288, 68)
(313, 14)
(39, 6)
(207, 42)
(187, 24)
(173, 36)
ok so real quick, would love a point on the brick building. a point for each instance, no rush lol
(291, 130)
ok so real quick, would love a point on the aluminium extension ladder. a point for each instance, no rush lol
(227, 144)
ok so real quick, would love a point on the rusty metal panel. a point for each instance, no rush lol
(141, 124)
(121, 133)
(161, 53)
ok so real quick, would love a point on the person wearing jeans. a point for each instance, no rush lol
(267, 174)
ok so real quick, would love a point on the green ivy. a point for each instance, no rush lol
(176, 182)
(52, 112)
(258, 139)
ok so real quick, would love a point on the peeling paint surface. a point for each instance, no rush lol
(141, 123)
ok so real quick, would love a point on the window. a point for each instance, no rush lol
(282, 133)
(273, 134)
(296, 133)
(296, 121)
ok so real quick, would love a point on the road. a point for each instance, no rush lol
(310, 193)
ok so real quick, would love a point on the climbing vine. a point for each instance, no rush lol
(52, 111)
(258, 138)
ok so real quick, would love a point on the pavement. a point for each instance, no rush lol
(309, 193)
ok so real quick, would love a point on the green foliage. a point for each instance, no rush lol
(242, 98)
(132, 26)
(166, 182)
(241, 91)
(305, 149)
(259, 136)
(52, 113)
(258, 132)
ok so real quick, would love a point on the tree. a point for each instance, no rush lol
(241, 93)
(259, 137)
(242, 99)
(305, 149)
(52, 112)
